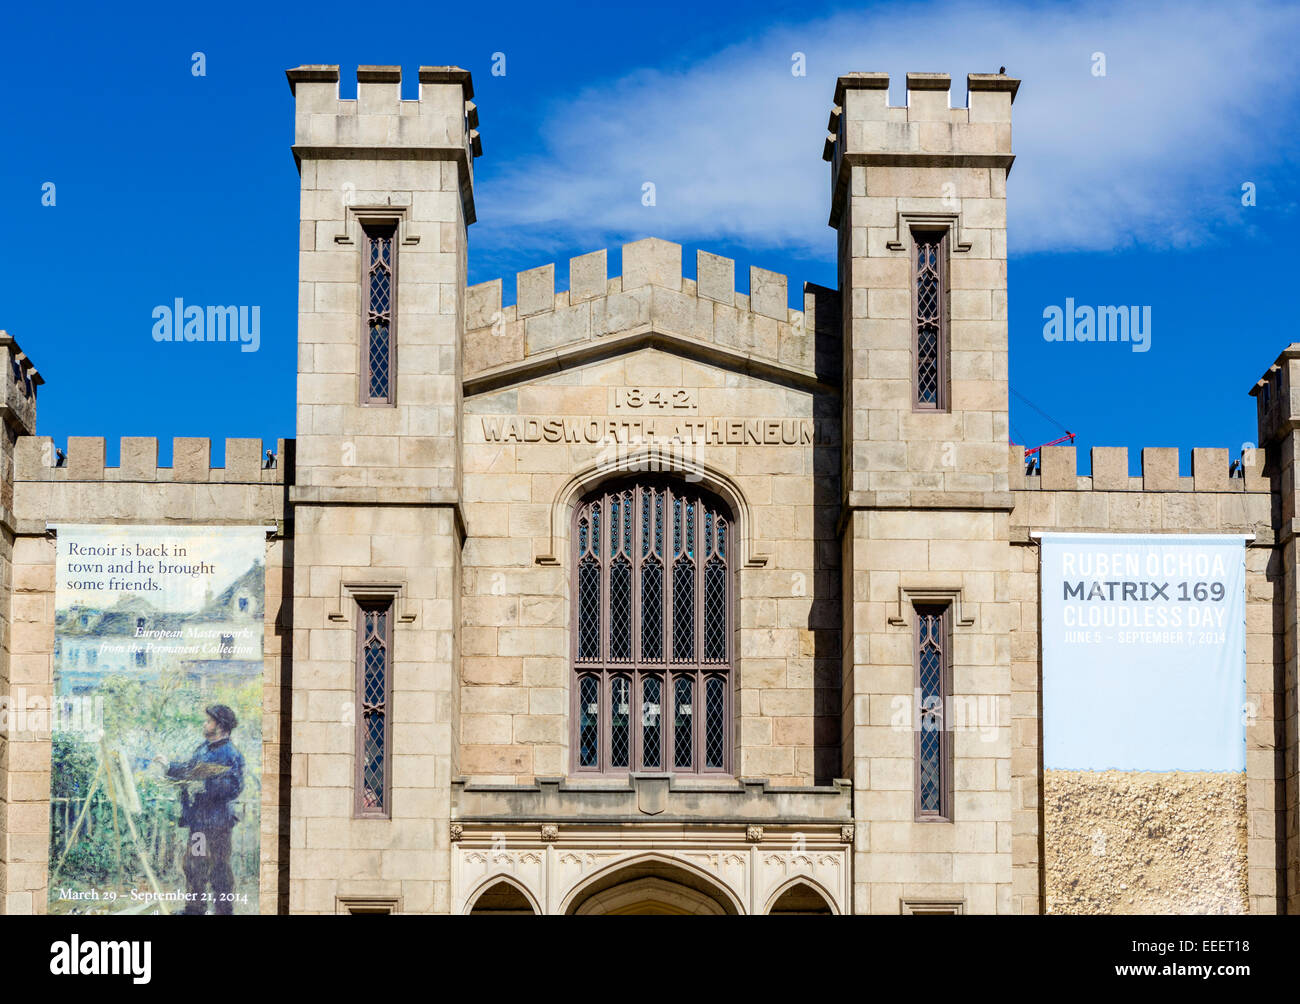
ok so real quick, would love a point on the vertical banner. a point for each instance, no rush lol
(1144, 738)
(156, 774)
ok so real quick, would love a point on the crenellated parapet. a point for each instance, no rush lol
(1277, 397)
(1215, 495)
(18, 398)
(864, 129)
(1277, 409)
(246, 462)
(52, 487)
(705, 315)
(1211, 471)
(442, 124)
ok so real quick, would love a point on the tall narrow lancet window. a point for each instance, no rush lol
(374, 669)
(933, 775)
(652, 638)
(929, 320)
(379, 296)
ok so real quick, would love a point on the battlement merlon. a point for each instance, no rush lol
(442, 124)
(18, 401)
(926, 132)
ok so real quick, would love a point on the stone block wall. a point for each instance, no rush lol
(896, 559)
(534, 450)
(1277, 401)
(339, 551)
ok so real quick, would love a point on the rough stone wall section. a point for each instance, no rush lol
(1124, 842)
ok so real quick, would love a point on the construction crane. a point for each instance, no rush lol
(1067, 438)
(1033, 454)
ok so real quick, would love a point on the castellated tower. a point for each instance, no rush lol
(1275, 746)
(387, 194)
(17, 762)
(918, 196)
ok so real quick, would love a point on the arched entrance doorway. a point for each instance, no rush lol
(800, 897)
(652, 887)
(502, 898)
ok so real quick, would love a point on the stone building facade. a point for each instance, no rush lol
(835, 500)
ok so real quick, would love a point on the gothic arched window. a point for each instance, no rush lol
(652, 640)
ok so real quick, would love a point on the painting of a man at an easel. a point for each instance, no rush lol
(208, 813)
(218, 766)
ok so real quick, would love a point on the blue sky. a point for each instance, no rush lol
(1127, 188)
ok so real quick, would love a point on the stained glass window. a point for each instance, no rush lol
(588, 721)
(620, 720)
(715, 721)
(380, 292)
(652, 631)
(651, 722)
(929, 347)
(372, 717)
(932, 766)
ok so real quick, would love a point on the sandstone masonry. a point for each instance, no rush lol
(455, 498)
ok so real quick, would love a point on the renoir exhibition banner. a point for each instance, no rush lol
(1144, 741)
(155, 784)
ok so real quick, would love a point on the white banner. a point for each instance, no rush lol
(1144, 652)
(1144, 738)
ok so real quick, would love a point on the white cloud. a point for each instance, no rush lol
(1196, 100)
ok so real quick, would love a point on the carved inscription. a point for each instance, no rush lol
(695, 431)
(655, 400)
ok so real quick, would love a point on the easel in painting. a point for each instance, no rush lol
(115, 774)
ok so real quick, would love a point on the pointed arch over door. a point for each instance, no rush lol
(653, 882)
(501, 895)
(653, 600)
(800, 895)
